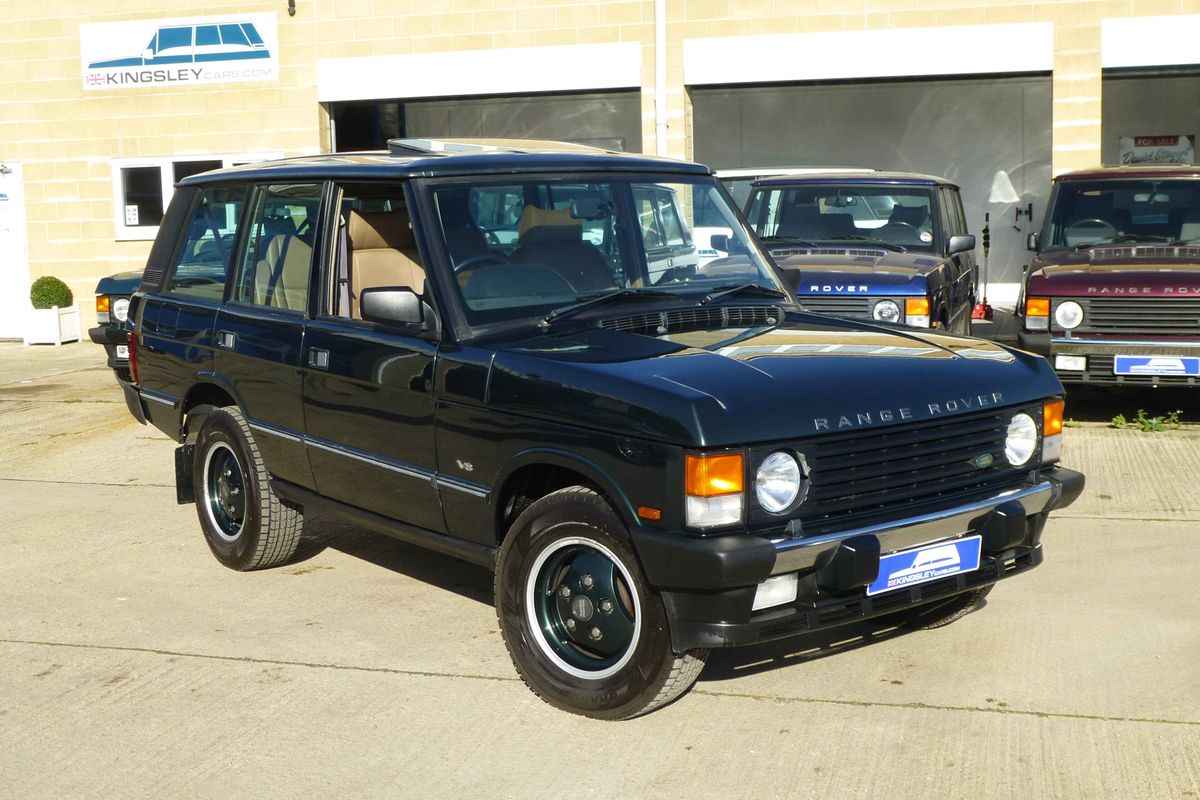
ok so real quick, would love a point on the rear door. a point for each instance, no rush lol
(260, 332)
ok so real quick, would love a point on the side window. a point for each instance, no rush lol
(959, 214)
(672, 225)
(376, 246)
(202, 264)
(278, 256)
(652, 233)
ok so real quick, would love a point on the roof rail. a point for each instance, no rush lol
(426, 147)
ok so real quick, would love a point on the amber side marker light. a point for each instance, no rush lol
(1052, 417)
(916, 306)
(710, 476)
(646, 512)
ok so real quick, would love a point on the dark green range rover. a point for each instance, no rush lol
(481, 349)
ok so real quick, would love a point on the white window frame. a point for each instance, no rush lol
(165, 164)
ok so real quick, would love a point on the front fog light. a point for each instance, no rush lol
(1071, 363)
(886, 311)
(776, 591)
(778, 482)
(1069, 315)
(1022, 439)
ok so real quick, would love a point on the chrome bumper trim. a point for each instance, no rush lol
(800, 554)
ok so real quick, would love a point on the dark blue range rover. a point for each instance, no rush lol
(654, 462)
(888, 246)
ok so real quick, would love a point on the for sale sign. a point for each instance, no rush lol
(174, 52)
(1158, 149)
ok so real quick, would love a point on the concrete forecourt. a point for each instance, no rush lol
(133, 665)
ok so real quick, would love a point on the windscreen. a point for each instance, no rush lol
(824, 214)
(524, 245)
(1099, 212)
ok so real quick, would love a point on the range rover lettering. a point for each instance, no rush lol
(654, 462)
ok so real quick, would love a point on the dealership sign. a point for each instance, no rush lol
(173, 52)
(1157, 149)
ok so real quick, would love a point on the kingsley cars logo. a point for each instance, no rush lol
(174, 52)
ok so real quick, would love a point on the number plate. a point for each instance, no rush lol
(122, 351)
(1157, 365)
(928, 563)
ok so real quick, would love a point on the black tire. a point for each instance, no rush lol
(630, 668)
(245, 524)
(942, 612)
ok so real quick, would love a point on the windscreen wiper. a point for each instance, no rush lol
(896, 248)
(574, 308)
(743, 288)
(788, 240)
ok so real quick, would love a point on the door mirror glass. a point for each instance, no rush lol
(396, 305)
(1031, 243)
(719, 241)
(960, 243)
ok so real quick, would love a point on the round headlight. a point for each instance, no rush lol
(886, 311)
(1068, 315)
(1022, 439)
(120, 309)
(778, 482)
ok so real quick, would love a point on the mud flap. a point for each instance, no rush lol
(183, 474)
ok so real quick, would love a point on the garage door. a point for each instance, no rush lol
(991, 135)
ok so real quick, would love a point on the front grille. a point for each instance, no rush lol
(1100, 370)
(1148, 251)
(1165, 316)
(695, 319)
(837, 305)
(873, 475)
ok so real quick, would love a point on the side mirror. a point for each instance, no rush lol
(960, 243)
(719, 241)
(396, 305)
(1032, 242)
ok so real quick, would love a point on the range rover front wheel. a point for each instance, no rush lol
(585, 631)
(245, 524)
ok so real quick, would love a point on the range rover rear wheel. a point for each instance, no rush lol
(584, 629)
(942, 612)
(245, 524)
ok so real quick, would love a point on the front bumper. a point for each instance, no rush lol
(110, 337)
(708, 585)
(1100, 367)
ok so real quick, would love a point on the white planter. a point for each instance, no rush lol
(52, 325)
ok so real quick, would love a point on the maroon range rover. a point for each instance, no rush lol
(1113, 294)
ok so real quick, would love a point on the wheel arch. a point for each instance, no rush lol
(537, 472)
(208, 390)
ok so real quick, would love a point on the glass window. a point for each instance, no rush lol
(376, 246)
(142, 193)
(185, 169)
(1085, 213)
(232, 34)
(277, 262)
(170, 38)
(206, 35)
(579, 239)
(894, 217)
(202, 266)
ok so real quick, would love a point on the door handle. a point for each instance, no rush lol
(226, 340)
(318, 358)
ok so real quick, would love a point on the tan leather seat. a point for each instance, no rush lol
(383, 252)
(281, 275)
(553, 238)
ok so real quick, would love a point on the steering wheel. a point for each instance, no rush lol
(481, 260)
(1093, 222)
(491, 238)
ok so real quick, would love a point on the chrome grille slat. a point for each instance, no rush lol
(1169, 315)
(839, 305)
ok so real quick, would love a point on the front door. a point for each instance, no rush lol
(14, 253)
(368, 387)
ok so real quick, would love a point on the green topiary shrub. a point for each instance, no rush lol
(48, 292)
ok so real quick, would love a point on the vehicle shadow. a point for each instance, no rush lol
(738, 662)
(323, 532)
(1101, 404)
